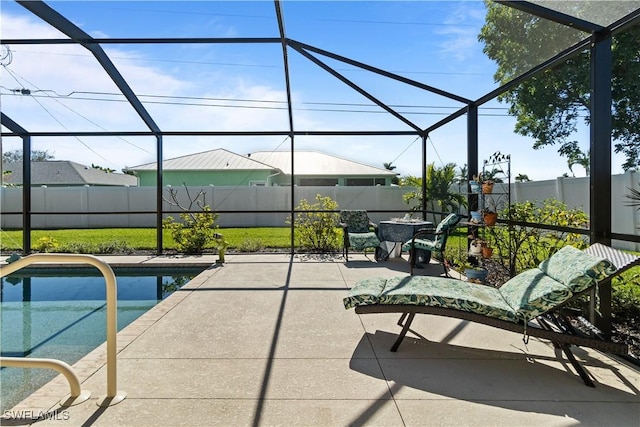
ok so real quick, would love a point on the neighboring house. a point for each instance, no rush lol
(64, 173)
(264, 168)
(215, 167)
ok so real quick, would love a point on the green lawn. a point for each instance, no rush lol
(141, 238)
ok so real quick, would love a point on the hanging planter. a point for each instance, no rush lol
(475, 186)
(487, 187)
(490, 218)
(476, 217)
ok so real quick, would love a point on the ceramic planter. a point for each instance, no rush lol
(479, 274)
(475, 186)
(487, 251)
(487, 187)
(490, 218)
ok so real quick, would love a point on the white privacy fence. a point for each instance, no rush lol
(79, 201)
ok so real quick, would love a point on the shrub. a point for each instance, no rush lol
(316, 230)
(525, 247)
(46, 244)
(80, 248)
(114, 247)
(251, 245)
(195, 232)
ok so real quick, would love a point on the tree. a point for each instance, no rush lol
(102, 168)
(440, 196)
(549, 106)
(14, 156)
(389, 166)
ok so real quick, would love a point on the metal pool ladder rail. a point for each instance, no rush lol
(77, 396)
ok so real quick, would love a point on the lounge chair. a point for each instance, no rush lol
(431, 240)
(536, 294)
(360, 233)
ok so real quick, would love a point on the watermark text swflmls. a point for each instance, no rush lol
(37, 415)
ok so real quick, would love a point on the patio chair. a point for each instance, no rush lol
(360, 233)
(534, 295)
(430, 240)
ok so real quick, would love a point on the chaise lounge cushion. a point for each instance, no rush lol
(433, 292)
(576, 269)
(532, 293)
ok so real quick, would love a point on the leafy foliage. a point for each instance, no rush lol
(46, 244)
(251, 245)
(527, 246)
(315, 229)
(549, 105)
(439, 190)
(195, 233)
(13, 156)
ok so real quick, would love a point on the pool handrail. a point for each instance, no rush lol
(113, 396)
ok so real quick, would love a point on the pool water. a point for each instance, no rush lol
(62, 315)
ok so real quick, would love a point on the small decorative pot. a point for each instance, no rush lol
(490, 218)
(475, 186)
(487, 251)
(487, 187)
(475, 249)
(476, 216)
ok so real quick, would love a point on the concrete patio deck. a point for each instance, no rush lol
(265, 340)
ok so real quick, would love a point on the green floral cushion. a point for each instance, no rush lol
(359, 241)
(437, 243)
(427, 245)
(532, 293)
(433, 292)
(576, 269)
(365, 292)
(357, 221)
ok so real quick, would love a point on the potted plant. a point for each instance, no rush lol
(475, 273)
(476, 217)
(475, 247)
(487, 250)
(475, 184)
(489, 216)
(487, 186)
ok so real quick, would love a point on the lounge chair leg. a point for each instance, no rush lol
(404, 331)
(577, 366)
(401, 319)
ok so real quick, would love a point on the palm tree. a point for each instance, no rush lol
(389, 166)
(439, 185)
(440, 196)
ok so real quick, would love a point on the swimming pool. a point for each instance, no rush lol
(61, 314)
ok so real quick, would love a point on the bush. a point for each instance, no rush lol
(316, 231)
(251, 245)
(522, 247)
(195, 233)
(46, 244)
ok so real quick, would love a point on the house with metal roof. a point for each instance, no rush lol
(64, 173)
(263, 168)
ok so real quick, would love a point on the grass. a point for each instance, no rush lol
(141, 238)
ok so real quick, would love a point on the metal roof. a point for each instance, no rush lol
(64, 172)
(218, 159)
(316, 163)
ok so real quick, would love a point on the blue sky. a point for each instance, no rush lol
(242, 87)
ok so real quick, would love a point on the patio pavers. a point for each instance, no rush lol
(265, 340)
